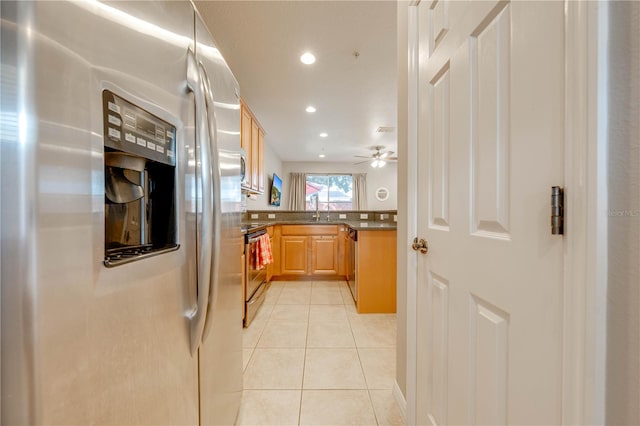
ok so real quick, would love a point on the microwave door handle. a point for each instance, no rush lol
(217, 199)
(198, 314)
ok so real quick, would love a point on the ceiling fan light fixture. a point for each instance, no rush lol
(375, 163)
(381, 163)
(307, 58)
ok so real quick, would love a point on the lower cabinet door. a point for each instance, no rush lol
(324, 255)
(294, 255)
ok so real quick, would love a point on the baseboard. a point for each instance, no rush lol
(402, 403)
(308, 278)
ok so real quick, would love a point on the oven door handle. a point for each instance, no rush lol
(255, 240)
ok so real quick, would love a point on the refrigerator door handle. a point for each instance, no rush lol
(217, 201)
(197, 318)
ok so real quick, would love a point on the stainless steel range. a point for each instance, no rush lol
(255, 278)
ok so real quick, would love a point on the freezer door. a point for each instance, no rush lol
(221, 348)
(81, 343)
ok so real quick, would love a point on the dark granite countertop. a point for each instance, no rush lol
(252, 226)
(371, 226)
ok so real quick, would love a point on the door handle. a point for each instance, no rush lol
(215, 191)
(197, 317)
(420, 245)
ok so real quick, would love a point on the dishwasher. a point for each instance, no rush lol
(255, 278)
(353, 262)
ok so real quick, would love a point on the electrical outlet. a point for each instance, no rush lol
(395, 217)
(271, 216)
(254, 215)
(364, 216)
(383, 216)
(342, 216)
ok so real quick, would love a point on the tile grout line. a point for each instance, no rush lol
(304, 359)
(349, 317)
(375, 415)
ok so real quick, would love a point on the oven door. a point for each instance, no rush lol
(255, 276)
(255, 284)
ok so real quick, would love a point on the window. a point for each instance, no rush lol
(330, 192)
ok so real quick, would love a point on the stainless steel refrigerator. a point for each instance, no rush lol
(120, 212)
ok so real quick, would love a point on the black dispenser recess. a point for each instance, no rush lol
(139, 179)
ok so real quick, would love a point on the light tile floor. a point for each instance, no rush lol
(311, 359)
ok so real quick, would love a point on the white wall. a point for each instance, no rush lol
(272, 164)
(623, 295)
(385, 177)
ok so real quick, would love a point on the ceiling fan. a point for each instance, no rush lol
(379, 158)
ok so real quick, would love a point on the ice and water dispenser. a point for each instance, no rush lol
(140, 182)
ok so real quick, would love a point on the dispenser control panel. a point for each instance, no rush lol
(132, 129)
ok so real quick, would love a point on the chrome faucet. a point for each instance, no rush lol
(316, 215)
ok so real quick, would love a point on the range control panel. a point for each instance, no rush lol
(131, 129)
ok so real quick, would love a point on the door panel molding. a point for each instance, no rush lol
(438, 23)
(489, 50)
(439, 112)
(488, 361)
(438, 305)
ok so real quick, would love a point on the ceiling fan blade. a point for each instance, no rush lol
(363, 156)
(391, 159)
(361, 162)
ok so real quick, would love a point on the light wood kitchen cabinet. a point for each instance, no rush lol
(275, 249)
(324, 255)
(260, 161)
(307, 250)
(245, 144)
(376, 272)
(342, 250)
(252, 141)
(255, 154)
(294, 255)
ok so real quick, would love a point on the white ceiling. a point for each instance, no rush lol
(262, 42)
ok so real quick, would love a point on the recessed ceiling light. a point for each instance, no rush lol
(323, 135)
(307, 58)
(321, 155)
(310, 109)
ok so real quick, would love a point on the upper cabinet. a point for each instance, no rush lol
(252, 142)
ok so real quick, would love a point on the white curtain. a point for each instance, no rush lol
(297, 191)
(359, 191)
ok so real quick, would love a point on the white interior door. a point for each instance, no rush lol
(490, 147)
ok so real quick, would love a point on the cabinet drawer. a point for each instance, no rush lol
(309, 230)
